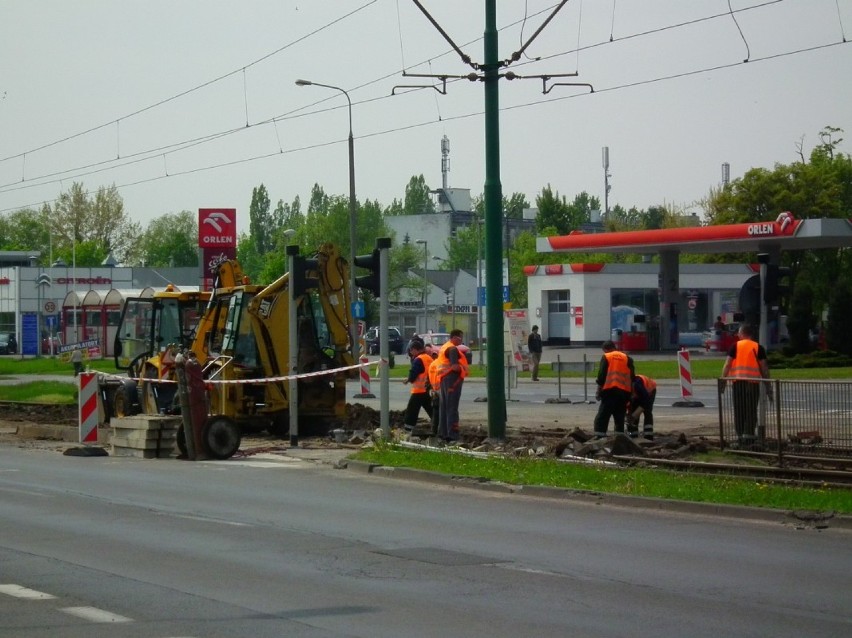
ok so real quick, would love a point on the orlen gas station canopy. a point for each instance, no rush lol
(785, 233)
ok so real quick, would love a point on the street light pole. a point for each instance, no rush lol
(353, 290)
(425, 281)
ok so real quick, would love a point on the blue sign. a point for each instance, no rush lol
(482, 297)
(51, 321)
(358, 309)
(29, 327)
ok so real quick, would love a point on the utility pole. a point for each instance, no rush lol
(489, 74)
(607, 175)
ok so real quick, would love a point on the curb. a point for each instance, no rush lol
(800, 519)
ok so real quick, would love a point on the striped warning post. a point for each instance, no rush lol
(685, 374)
(365, 380)
(88, 407)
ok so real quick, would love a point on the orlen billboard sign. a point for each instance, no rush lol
(217, 227)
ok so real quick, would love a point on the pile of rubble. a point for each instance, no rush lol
(574, 445)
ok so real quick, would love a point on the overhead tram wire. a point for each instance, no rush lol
(193, 89)
(295, 113)
(454, 118)
(183, 145)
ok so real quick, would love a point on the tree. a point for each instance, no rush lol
(418, 197)
(171, 240)
(552, 212)
(75, 219)
(800, 319)
(26, 229)
(838, 336)
(262, 222)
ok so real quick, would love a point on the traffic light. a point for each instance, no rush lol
(774, 287)
(299, 278)
(369, 282)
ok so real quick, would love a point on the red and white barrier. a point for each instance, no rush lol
(88, 406)
(685, 373)
(365, 380)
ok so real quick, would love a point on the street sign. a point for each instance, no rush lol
(49, 307)
(358, 309)
(481, 297)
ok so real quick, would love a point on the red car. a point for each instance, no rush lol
(434, 340)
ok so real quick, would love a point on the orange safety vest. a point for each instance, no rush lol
(648, 382)
(418, 386)
(444, 367)
(617, 372)
(434, 379)
(745, 366)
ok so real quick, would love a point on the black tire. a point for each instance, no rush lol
(123, 400)
(221, 437)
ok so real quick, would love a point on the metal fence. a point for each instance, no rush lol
(787, 417)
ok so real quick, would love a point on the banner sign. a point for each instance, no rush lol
(217, 227)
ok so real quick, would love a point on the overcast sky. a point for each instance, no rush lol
(192, 103)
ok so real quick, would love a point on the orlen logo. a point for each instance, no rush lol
(217, 227)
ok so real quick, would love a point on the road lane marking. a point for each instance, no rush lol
(22, 592)
(94, 614)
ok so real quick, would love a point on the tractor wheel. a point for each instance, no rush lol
(122, 400)
(221, 437)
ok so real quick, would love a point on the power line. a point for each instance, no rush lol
(145, 155)
(193, 89)
(407, 127)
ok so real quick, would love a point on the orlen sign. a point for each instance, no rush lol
(217, 227)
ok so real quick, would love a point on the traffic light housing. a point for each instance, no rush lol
(775, 287)
(371, 281)
(299, 278)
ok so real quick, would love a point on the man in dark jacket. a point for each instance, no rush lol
(534, 346)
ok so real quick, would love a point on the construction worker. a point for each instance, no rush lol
(435, 389)
(615, 385)
(451, 371)
(642, 403)
(418, 377)
(746, 365)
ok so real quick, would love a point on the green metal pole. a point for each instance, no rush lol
(493, 231)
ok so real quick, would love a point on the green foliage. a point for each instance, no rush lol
(171, 240)
(838, 335)
(418, 197)
(40, 392)
(800, 319)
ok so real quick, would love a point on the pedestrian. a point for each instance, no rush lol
(451, 372)
(418, 377)
(615, 385)
(719, 325)
(77, 360)
(534, 346)
(746, 365)
(642, 404)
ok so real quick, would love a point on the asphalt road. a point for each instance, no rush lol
(274, 546)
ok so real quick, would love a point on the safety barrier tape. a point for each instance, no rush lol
(305, 375)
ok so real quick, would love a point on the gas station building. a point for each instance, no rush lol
(664, 305)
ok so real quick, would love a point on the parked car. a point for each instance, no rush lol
(396, 344)
(434, 340)
(722, 340)
(8, 343)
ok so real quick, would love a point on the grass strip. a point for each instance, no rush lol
(52, 392)
(653, 483)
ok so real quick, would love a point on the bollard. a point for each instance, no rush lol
(365, 380)
(88, 406)
(685, 375)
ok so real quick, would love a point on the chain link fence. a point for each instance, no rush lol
(805, 418)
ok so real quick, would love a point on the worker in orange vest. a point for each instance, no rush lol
(418, 377)
(642, 403)
(615, 385)
(746, 365)
(451, 370)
